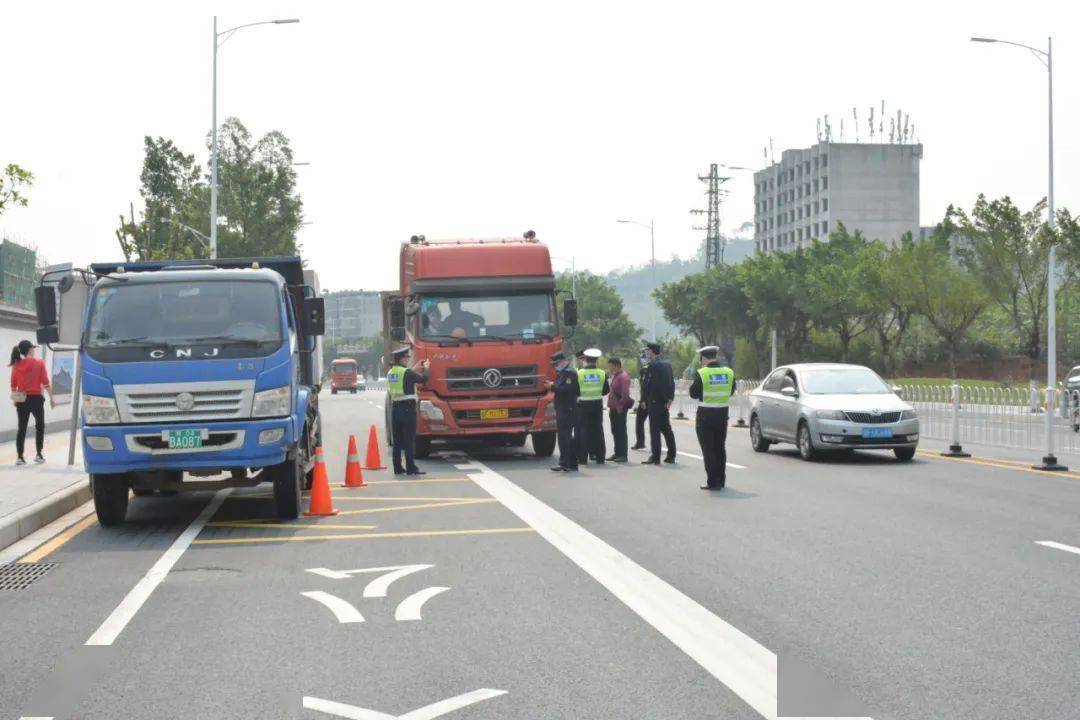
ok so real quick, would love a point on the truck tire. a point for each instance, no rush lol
(423, 447)
(141, 492)
(543, 443)
(288, 477)
(110, 491)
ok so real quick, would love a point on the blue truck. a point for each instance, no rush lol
(199, 375)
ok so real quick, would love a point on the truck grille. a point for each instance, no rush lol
(508, 377)
(522, 413)
(873, 418)
(162, 402)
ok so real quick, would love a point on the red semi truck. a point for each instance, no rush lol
(484, 313)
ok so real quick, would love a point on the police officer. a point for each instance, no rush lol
(593, 384)
(401, 382)
(712, 388)
(641, 413)
(565, 388)
(658, 399)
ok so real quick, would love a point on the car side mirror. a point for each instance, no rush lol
(899, 391)
(314, 315)
(788, 391)
(569, 312)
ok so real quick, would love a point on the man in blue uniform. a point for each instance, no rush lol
(658, 399)
(401, 382)
(565, 388)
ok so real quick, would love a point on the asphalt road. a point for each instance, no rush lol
(854, 586)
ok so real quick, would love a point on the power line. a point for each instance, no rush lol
(714, 244)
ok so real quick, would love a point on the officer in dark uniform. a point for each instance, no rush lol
(642, 413)
(712, 387)
(401, 382)
(565, 388)
(661, 385)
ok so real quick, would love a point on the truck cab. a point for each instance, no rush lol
(344, 376)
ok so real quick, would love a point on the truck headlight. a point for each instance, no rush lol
(272, 403)
(830, 415)
(430, 411)
(98, 410)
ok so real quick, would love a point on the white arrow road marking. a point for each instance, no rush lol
(343, 610)
(428, 712)
(409, 608)
(1058, 546)
(378, 586)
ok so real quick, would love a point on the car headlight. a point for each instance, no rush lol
(98, 410)
(429, 410)
(908, 415)
(830, 415)
(276, 402)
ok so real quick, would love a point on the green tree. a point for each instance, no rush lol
(14, 183)
(775, 286)
(884, 291)
(602, 321)
(1006, 250)
(834, 297)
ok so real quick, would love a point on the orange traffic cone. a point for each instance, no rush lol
(321, 503)
(353, 477)
(374, 461)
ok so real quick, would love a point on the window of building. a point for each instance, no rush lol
(807, 166)
(824, 183)
(824, 161)
(800, 191)
(815, 164)
(825, 205)
(825, 227)
(817, 186)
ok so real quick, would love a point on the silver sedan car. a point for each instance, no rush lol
(829, 406)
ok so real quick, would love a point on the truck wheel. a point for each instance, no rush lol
(423, 447)
(543, 444)
(141, 492)
(110, 491)
(287, 478)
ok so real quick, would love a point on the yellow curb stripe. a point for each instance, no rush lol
(289, 526)
(1000, 465)
(58, 541)
(362, 536)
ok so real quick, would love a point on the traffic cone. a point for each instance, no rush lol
(374, 461)
(321, 503)
(353, 477)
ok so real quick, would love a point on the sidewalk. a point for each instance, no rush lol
(32, 496)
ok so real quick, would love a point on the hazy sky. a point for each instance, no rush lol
(457, 119)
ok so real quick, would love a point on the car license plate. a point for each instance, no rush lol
(185, 439)
(877, 433)
(495, 414)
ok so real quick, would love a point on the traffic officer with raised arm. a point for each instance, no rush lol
(593, 384)
(401, 382)
(712, 387)
(565, 389)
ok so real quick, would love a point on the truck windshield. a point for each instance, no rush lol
(511, 316)
(210, 312)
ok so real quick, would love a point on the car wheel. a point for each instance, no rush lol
(903, 454)
(757, 440)
(806, 442)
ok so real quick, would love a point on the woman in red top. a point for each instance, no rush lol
(28, 378)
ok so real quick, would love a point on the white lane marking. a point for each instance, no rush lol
(428, 712)
(409, 608)
(698, 457)
(732, 657)
(343, 610)
(125, 611)
(378, 586)
(379, 406)
(1058, 546)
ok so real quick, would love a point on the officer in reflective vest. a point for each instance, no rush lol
(593, 385)
(712, 387)
(401, 382)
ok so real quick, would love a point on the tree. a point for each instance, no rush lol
(885, 292)
(949, 298)
(602, 321)
(775, 286)
(14, 182)
(1006, 250)
(833, 292)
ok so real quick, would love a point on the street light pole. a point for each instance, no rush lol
(652, 255)
(214, 129)
(1049, 461)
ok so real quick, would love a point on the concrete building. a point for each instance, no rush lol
(352, 314)
(17, 270)
(869, 187)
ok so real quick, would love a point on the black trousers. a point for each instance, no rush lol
(618, 431)
(660, 424)
(590, 431)
(565, 420)
(711, 426)
(403, 417)
(639, 426)
(33, 405)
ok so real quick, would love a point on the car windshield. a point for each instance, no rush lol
(843, 381)
(510, 316)
(185, 312)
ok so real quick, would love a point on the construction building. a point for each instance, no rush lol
(870, 187)
(17, 275)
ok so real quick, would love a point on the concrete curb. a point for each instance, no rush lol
(21, 523)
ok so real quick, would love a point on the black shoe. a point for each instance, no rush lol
(711, 487)
(399, 471)
(613, 458)
(650, 461)
(558, 468)
(638, 447)
(416, 471)
(618, 458)
(669, 460)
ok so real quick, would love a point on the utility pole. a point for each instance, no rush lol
(714, 244)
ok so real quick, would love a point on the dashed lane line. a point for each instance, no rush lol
(1059, 546)
(363, 536)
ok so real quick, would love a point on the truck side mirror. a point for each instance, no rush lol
(397, 313)
(397, 334)
(45, 304)
(569, 312)
(314, 315)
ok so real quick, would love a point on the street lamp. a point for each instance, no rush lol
(1049, 461)
(220, 38)
(202, 237)
(573, 272)
(652, 252)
